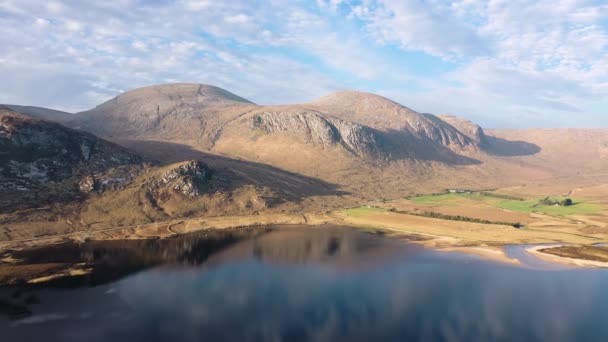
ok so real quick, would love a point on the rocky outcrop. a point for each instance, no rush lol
(116, 178)
(188, 179)
(319, 129)
(446, 134)
(466, 127)
(391, 117)
(45, 163)
(35, 152)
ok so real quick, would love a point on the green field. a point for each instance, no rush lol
(362, 211)
(442, 199)
(531, 206)
(526, 206)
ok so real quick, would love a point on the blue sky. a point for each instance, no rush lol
(501, 63)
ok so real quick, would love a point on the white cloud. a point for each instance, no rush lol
(507, 60)
(237, 19)
(197, 5)
(425, 26)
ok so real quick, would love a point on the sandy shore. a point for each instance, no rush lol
(493, 253)
(536, 251)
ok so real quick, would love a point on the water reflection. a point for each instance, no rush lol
(323, 285)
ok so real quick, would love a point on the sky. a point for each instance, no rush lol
(500, 63)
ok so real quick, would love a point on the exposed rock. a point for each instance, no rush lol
(36, 153)
(110, 180)
(466, 127)
(446, 134)
(87, 184)
(189, 179)
(386, 115)
(319, 129)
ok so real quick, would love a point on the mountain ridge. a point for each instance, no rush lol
(203, 151)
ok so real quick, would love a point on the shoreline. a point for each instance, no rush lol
(163, 230)
(491, 253)
(556, 259)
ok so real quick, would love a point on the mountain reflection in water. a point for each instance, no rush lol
(302, 284)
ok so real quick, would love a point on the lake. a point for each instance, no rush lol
(299, 284)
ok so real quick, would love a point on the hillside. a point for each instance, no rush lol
(385, 115)
(43, 161)
(42, 113)
(228, 156)
(55, 179)
(185, 112)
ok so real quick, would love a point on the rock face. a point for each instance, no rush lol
(36, 152)
(319, 129)
(385, 115)
(466, 127)
(112, 179)
(188, 179)
(173, 111)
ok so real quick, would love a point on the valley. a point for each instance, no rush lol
(198, 157)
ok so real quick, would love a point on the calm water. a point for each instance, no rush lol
(301, 285)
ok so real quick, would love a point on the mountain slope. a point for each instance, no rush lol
(42, 113)
(55, 179)
(388, 116)
(464, 126)
(37, 154)
(183, 112)
(212, 153)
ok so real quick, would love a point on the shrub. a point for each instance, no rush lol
(567, 202)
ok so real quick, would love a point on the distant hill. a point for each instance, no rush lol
(42, 113)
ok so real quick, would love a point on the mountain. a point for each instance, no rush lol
(42, 113)
(464, 126)
(357, 142)
(184, 112)
(187, 150)
(37, 155)
(55, 179)
(385, 115)
(353, 127)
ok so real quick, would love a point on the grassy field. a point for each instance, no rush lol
(362, 211)
(580, 207)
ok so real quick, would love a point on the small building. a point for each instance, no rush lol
(459, 191)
